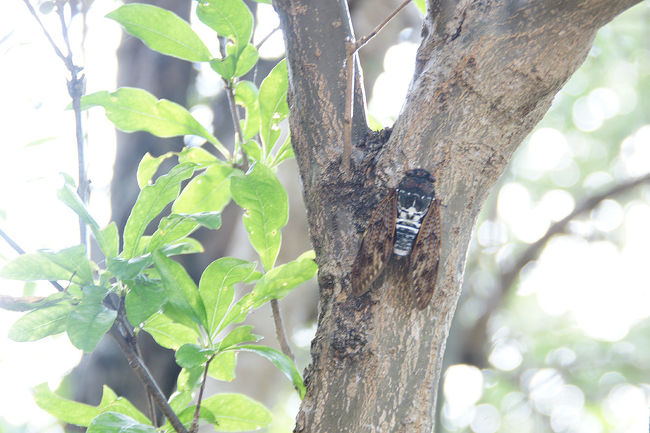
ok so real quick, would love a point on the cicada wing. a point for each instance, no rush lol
(424, 258)
(376, 245)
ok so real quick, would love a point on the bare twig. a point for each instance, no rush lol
(19, 250)
(47, 34)
(76, 89)
(351, 47)
(364, 40)
(150, 402)
(147, 379)
(228, 84)
(266, 38)
(197, 412)
(349, 104)
(279, 330)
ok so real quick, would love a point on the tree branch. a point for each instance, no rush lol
(147, 379)
(228, 84)
(197, 412)
(279, 330)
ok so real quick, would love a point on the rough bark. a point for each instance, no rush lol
(486, 73)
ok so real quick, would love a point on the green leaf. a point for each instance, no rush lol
(199, 156)
(183, 246)
(239, 311)
(113, 422)
(267, 210)
(132, 109)
(67, 264)
(253, 150)
(151, 201)
(246, 60)
(129, 269)
(68, 195)
(172, 228)
(148, 167)
(112, 403)
(88, 323)
(374, 123)
(421, 5)
(182, 293)
(188, 379)
(169, 334)
(68, 411)
(179, 400)
(144, 298)
(216, 287)
(186, 416)
(208, 219)
(241, 334)
(236, 412)
(280, 360)
(207, 192)
(278, 282)
(192, 355)
(28, 303)
(229, 18)
(223, 365)
(284, 152)
(111, 240)
(225, 68)
(162, 31)
(273, 105)
(246, 95)
(38, 324)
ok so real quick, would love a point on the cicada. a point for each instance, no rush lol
(406, 225)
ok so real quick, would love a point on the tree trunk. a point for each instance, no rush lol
(486, 73)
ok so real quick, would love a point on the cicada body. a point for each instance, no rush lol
(406, 224)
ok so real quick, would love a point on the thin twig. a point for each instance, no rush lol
(228, 84)
(266, 38)
(19, 250)
(279, 330)
(364, 40)
(197, 412)
(351, 47)
(349, 104)
(76, 90)
(147, 379)
(47, 34)
(150, 402)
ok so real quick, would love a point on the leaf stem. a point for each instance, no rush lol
(228, 84)
(364, 40)
(279, 329)
(197, 412)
